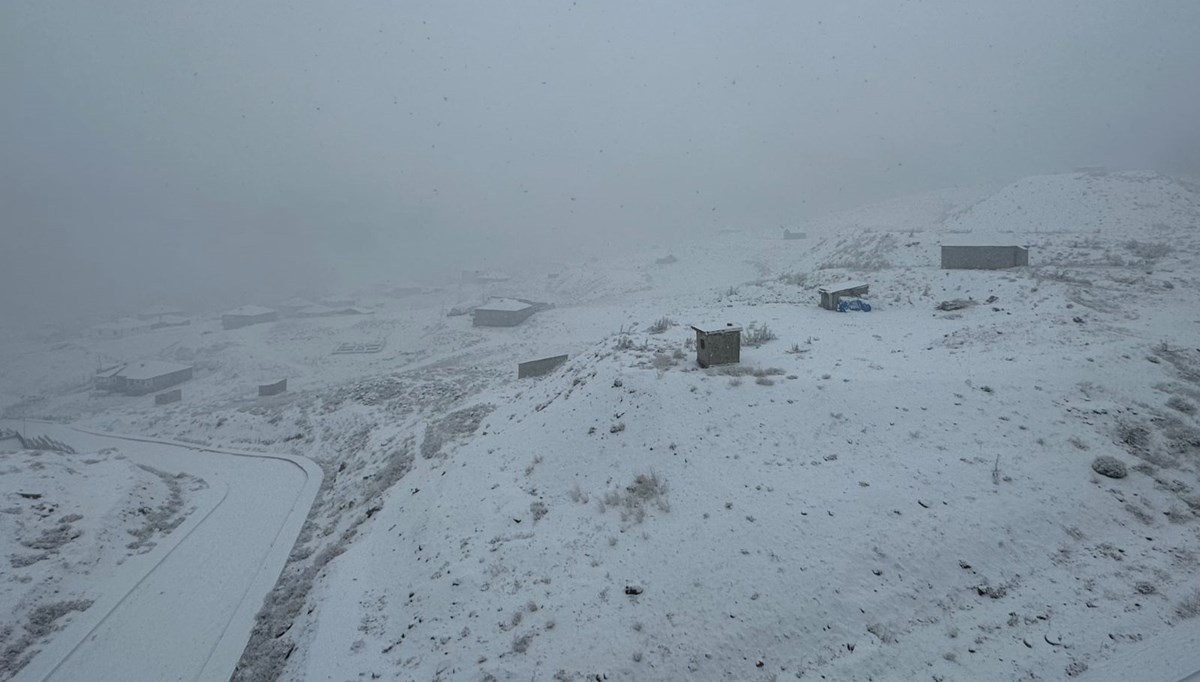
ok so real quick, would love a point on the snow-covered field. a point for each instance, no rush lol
(902, 494)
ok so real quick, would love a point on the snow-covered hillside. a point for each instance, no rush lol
(897, 494)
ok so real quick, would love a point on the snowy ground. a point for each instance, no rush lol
(902, 494)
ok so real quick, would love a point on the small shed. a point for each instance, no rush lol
(246, 316)
(788, 234)
(983, 257)
(503, 312)
(718, 344)
(832, 293)
(272, 389)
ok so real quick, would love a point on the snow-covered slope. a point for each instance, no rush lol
(909, 494)
(1132, 205)
(890, 495)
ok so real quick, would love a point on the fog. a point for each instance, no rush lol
(230, 152)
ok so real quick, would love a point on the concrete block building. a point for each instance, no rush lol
(140, 378)
(503, 312)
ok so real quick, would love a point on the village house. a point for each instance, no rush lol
(141, 378)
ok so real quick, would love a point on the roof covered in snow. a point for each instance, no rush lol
(149, 369)
(717, 328)
(109, 371)
(842, 286)
(506, 305)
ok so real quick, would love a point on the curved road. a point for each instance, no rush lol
(185, 610)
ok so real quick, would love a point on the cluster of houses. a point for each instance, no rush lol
(156, 376)
(715, 344)
(721, 344)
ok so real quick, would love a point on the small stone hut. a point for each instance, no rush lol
(832, 293)
(718, 344)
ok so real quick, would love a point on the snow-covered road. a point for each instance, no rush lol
(185, 610)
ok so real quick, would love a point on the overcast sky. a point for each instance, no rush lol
(183, 150)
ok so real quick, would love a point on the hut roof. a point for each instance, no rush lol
(716, 328)
(842, 286)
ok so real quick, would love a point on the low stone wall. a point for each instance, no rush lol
(983, 257)
(168, 397)
(537, 368)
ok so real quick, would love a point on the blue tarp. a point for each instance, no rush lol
(853, 304)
